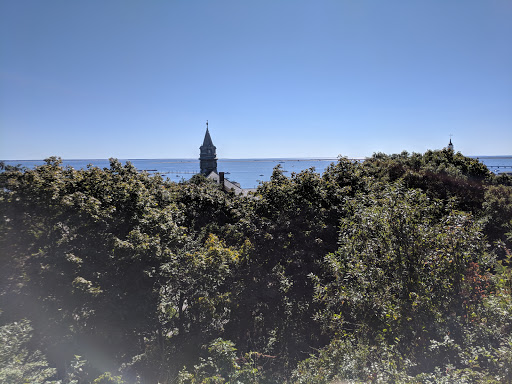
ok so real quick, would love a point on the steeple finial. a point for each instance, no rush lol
(206, 124)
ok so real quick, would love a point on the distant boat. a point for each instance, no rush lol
(262, 175)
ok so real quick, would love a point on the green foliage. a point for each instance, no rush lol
(395, 269)
(400, 263)
(353, 361)
(86, 245)
(409, 297)
(19, 362)
(497, 214)
(223, 366)
(196, 296)
(77, 372)
(442, 174)
(107, 378)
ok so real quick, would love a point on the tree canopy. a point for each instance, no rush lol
(394, 269)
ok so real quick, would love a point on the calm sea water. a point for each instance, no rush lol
(248, 172)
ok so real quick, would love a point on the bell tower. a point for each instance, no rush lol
(208, 154)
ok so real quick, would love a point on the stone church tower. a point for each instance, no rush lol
(208, 154)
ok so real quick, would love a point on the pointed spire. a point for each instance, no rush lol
(207, 142)
(450, 145)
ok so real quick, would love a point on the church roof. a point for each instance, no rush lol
(207, 142)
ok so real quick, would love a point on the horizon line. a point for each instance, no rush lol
(319, 158)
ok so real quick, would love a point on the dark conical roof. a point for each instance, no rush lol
(207, 142)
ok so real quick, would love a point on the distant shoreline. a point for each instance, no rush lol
(249, 173)
(317, 158)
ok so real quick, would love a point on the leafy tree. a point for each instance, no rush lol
(223, 366)
(443, 174)
(497, 213)
(196, 296)
(19, 362)
(403, 286)
(86, 246)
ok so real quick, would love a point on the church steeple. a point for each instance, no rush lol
(450, 145)
(207, 142)
(208, 154)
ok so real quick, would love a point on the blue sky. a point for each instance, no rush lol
(139, 79)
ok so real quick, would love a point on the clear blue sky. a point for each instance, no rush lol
(139, 79)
